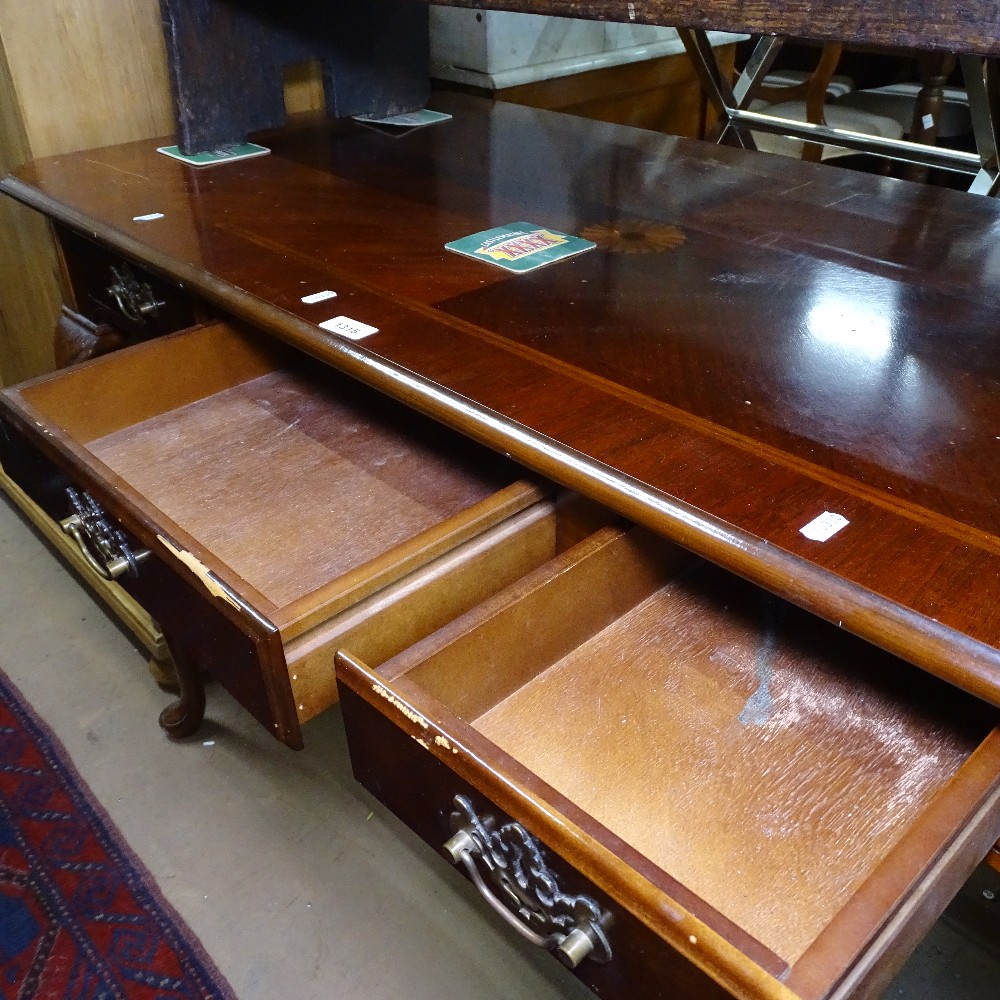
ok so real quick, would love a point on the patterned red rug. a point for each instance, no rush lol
(80, 917)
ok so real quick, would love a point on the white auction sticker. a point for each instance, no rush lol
(348, 327)
(821, 528)
(147, 218)
(319, 297)
(927, 121)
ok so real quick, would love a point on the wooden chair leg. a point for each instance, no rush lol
(183, 717)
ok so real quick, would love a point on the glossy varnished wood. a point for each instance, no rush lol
(285, 494)
(761, 341)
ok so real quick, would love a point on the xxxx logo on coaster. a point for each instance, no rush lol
(520, 246)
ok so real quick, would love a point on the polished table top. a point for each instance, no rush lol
(754, 341)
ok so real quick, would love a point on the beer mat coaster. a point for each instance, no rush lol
(227, 154)
(520, 246)
(409, 119)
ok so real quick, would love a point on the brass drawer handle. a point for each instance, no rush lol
(134, 298)
(104, 546)
(523, 890)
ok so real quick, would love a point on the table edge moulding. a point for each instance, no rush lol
(336, 459)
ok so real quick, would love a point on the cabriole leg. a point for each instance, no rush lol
(183, 717)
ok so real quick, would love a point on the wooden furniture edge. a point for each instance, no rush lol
(970, 803)
(943, 651)
(686, 933)
(935, 25)
(296, 618)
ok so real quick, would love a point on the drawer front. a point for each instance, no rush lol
(421, 790)
(111, 290)
(237, 646)
(611, 703)
(291, 501)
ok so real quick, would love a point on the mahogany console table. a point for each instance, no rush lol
(756, 763)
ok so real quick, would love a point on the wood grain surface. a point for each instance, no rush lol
(87, 74)
(818, 340)
(72, 76)
(768, 765)
(419, 788)
(780, 792)
(290, 475)
(967, 27)
(31, 296)
(856, 950)
(290, 488)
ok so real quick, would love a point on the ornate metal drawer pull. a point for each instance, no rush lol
(134, 298)
(522, 889)
(102, 544)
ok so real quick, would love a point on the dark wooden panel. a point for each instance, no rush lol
(92, 274)
(955, 27)
(763, 340)
(226, 60)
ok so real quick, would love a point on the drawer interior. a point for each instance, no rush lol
(770, 764)
(285, 474)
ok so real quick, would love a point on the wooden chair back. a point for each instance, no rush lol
(813, 88)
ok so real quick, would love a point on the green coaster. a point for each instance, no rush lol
(520, 246)
(242, 151)
(409, 119)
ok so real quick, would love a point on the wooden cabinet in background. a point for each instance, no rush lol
(74, 74)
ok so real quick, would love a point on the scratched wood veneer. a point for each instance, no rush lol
(753, 342)
(968, 27)
(777, 793)
(288, 497)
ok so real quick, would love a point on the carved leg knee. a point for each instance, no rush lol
(183, 717)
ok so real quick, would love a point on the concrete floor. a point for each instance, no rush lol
(300, 885)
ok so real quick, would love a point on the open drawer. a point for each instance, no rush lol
(683, 786)
(263, 508)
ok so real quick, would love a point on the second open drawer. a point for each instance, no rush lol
(264, 508)
(680, 783)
